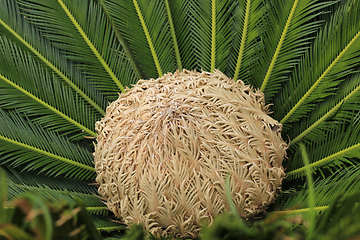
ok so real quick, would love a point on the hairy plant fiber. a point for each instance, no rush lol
(165, 146)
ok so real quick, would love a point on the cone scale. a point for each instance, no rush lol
(165, 146)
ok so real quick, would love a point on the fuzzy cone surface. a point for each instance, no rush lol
(165, 146)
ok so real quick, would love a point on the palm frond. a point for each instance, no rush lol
(180, 11)
(211, 31)
(312, 83)
(36, 95)
(342, 145)
(17, 29)
(344, 183)
(173, 35)
(38, 149)
(341, 107)
(37, 179)
(103, 224)
(59, 188)
(81, 31)
(247, 15)
(288, 28)
(145, 26)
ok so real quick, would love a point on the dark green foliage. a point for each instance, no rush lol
(62, 61)
(339, 221)
(30, 216)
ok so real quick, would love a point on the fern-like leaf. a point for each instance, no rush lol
(36, 96)
(145, 26)
(38, 149)
(86, 37)
(342, 145)
(313, 83)
(18, 30)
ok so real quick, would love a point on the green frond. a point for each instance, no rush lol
(344, 183)
(181, 19)
(173, 35)
(125, 45)
(36, 96)
(17, 29)
(83, 34)
(312, 83)
(211, 31)
(145, 26)
(103, 224)
(37, 179)
(59, 188)
(246, 17)
(342, 107)
(38, 149)
(341, 145)
(288, 28)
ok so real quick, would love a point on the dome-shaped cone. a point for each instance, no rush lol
(165, 146)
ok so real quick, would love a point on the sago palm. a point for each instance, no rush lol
(63, 61)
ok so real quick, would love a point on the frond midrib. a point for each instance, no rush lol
(243, 40)
(319, 80)
(278, 48)
(148, 38)
(91, 46)
(213, 35)
(53, 67)
(48, 154)
(41, 102)
(325, 160)
(324, 117)
(172, 30)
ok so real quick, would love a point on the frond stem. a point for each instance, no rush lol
(213, 35)
(291, 112)
(124, 44)
(243, 40)
(147, 34)
(48, 106)
(91, 46)
(42, 152)
(110, 228)
(323, 118)
(55, 69)
(96, 208)
(310, 182)
(172, 29)
(324, 160)
(302, 210)
(278, 48)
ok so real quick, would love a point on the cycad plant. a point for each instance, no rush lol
(63, 61)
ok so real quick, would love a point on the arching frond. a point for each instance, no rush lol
(59, 188)
(81, 31)
(247, 15)
(180, 10)
(312, 83)
(341, 107)
(17, 29)
(288, 26)
(36, 95)
(33, 148)
(345, 183)
(211, 30)
(341, 145)
(145, 26)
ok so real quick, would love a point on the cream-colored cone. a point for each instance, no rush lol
(165, 146)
